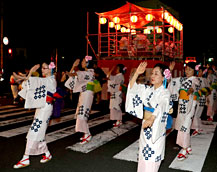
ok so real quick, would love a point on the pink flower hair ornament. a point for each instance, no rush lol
(197, 67)
(87, 58)
(52, 65)
(167, 74)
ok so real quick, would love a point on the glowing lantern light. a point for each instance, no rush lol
(117, 27)
(170, 19)
(102, 20)
(111, 24)
(134, 19)
(123, 29)
(159, 30)
(166, 15)
(147, 31)
(149, 17)
(180, 27)
(128, 30)
(116, 20)
(170, 29)
(133, 32)
(175, 23)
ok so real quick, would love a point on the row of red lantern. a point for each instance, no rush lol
(149, 17)
(174, 22)
(133, 18)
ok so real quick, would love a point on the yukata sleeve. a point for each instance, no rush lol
(22, 93)
(173, 88)
(134, 100)
(117, 79)
(161, 114)
(84, 76)
(36, 92)
(71, 82)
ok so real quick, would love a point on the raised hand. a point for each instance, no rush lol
(76, 63)
(34, 68)
(18, 77)
(172, 65)
(141, 68)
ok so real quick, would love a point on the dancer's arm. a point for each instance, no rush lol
(141, 69)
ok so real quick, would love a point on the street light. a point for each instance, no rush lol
(5, 41)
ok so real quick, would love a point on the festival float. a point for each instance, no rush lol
(131, 34)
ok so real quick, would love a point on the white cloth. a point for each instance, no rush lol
(85, 99)
(36, 143)
(196, 124)
(152, 139)
(35, 91)
(79, 83)
(114, 84)
(186, 108)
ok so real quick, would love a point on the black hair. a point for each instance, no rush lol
(162, 67)
(121, 68)
(192, 65)
(90, 64)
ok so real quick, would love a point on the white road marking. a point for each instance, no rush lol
(195, 161)
(103, 138)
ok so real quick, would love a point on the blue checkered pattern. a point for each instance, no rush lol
(40, 92)
(36, 125)
(148, 132)
(164, 117)
(136, 101)
(147, 152)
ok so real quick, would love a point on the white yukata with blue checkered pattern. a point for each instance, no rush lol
(152, 139)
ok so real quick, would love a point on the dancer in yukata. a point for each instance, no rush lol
(152, 104)
(185, 87)
(212, 98)
(203, 83)
(38, 93)
(114, 83)
(82, 81)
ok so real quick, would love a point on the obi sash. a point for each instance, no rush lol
(149, 109)
(148, 112)
(51, 97)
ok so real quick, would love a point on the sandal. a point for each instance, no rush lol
(195, 133)
(182, 156)
(21, 163)
(117, 124)
(189, 151)
(86, 140)
(45, 158)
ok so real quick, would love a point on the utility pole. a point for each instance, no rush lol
(1, 35)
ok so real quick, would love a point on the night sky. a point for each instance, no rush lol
(43, 26)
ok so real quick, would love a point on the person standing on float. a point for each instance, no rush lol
(152, 104)
(38, 93)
